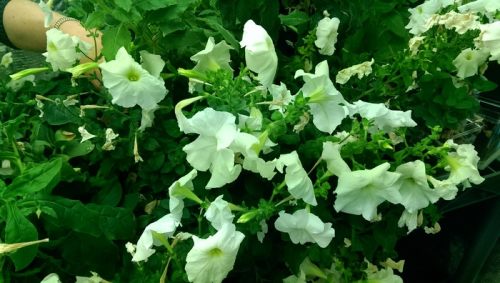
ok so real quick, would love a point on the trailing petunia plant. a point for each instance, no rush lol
(284, 154)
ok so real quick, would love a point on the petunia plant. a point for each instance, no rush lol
(212, 142)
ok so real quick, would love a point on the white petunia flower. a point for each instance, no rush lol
(320, 70)
(326, 35)
(210, 151)
(95, 278)
(147, 118)
(281, 97)
(298, 183)
(263, 231)
(469, 61)
(334, 162)
(361, 70)
(62, 49)
(178, 191)
(51, 278)
(485, 7)
(109, 144)
(421, 14)
(164, 226)
(211, 259)
(47, 12)
(85, 134)
(360, 192)
(446, 189)
(490, 39)
(260, 55)
(213, 57)
(131, 84)
(414, 43)
(382, 117)
(414, 189)
(6, 60)
(219, 213)
(305, 227)
(462, 164)
(383, 276)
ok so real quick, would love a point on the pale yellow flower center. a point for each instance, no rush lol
(133, 75)
(215, 252)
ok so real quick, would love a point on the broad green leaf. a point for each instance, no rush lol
(43, 176)
(58, 114)
(97, 220)
(17, 230)
(295, 18)
(124, 4)
(113, 39)
(76, 148)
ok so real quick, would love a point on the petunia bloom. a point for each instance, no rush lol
(469, 61)
(131, 84)
(211, 259)
(213, 57)
(360, 192)
(326, 35)
(62, 49)
(298, 183)
(382, 117)
(490, 39)
(305, 227)
(260, 55)
(360, 70)
(164, 226)
(219, 213)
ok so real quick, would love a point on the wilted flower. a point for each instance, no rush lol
(281, 97)
(260, 55)
(12, 247)
(414, 43)
(305, 227)
(110, 136)
(485, 7)
(360, 192)
(62, 50)
(326, 35)
(469, 61)
(211, 259)
(6, 60)
(361, 70)
(85, 134)
(131, 84)
(422, 13)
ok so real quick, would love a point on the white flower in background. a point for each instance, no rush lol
(95, 278)
(334, 162)
(345, 137)
(109, 144)
(164, 226)
(130, 248)
(47, 12)
(433, 230)
(361, 70)
(320, 70)
(490, 39)
(217, 131)
(326, 35)
(414, 189)
(131, 84)
(85, 134)
(62, 49)
(178, 191)
(469, 61)
(382, 117)
(6, 60)
(462, 164)
(258, 165)
(16, 85)
(383, 276)
(6, 168)
(211, 259)
(421, 14)
(51, 278)
(360, 192)
(281, 97)
(147, 118)
(389, 262)
(219, 213)
(297, 181)
(263, 231)
(414, 43)
(260, 55)
(485, 7)
(305, 227)
(213, 57)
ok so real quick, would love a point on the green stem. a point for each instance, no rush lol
(277, 189)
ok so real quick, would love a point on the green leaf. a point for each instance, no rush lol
(17, 230)
(58, 114)
(75, 148)
(113, 39)
(43, 176)
(294, 19)
(124, 4)
(97, 220)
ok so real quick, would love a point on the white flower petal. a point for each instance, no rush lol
(219, 213)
